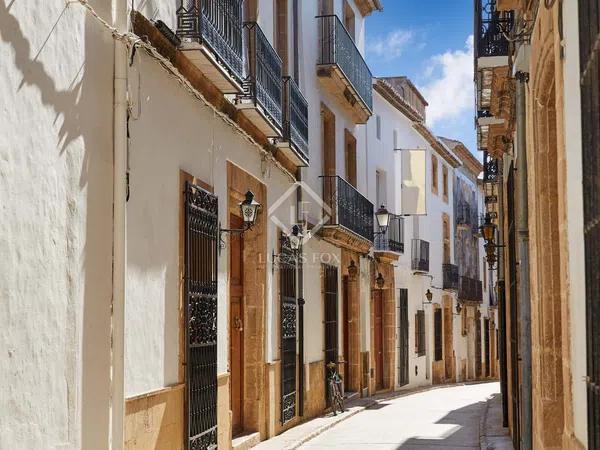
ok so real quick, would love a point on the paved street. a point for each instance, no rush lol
(448, 418)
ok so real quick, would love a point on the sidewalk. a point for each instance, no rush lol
(298, 435)
(493, 435)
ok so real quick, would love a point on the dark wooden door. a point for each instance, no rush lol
(378, 347)
(346, 330)
(486, 343)
(236, 324)
(589, 35)
(331, 319)
(402, 353)
(477, 344)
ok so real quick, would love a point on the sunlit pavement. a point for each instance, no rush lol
(448, 418)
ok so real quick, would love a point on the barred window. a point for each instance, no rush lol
(420, 333)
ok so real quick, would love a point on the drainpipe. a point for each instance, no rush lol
(117, 400)
(523, 254)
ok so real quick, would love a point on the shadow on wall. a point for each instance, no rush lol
(83, 171)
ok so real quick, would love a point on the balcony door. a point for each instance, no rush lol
(236, 328)
(330, 323)
(402, 339)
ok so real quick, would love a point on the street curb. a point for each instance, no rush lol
(482, 421)
(384, 397)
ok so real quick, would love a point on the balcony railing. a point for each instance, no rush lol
(218, 25)
(420, 255)
(450, 272)
(347, 207)
(264, 83)
(295, 118)
(393, 239)
(338, 48)
(470, 289)
(492, 29)
(490, 169)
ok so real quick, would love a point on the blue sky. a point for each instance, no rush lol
(430, 41)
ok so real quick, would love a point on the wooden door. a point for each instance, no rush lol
(236, 324)
(346, 330)
(331, 320)
(378, 339)
(402, 337)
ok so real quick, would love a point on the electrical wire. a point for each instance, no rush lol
(133, 41)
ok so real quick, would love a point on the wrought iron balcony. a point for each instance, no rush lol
(295, 123)
(263, 87)
(347, 207)
(450, 272)
(470, 289)
(342, 68)
(490, 169)
(420, 255)
(492, 29)
(393, 239)
(211, 34)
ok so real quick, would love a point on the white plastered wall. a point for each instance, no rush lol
(56, 228)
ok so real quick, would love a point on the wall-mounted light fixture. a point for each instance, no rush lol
(249, 209)
(380, 281)
(428, 298)
(488, 232)
(383, 219)
(293, 241)
(352, 270)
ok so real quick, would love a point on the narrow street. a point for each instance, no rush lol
(448, 418)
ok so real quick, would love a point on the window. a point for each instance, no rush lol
(350, 158)
(446, 238)
(445, 182)
(437, 334)
(378, 122)
(325, 7)
(463, 320)
(434, 174)
(349, 19)
(281, 32)
(420, 333)
(381, 188)
(484, 275)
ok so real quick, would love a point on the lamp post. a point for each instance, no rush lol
(488, 232)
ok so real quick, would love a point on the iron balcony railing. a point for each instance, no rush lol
(338, 48)
(492, 29)
(217, 24)
(264, 83)
(450, 276)
(295, 118)
(347, 207)
(420, 255)
(490, 169)
(393, 239)
(470, 289)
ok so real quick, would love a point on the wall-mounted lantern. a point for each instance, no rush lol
(488, 228)
(352, 270)
(383, 219)
(380, 281)
(249, 209)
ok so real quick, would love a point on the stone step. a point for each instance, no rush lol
(245, 441)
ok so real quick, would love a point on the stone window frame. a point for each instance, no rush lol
(434, 174)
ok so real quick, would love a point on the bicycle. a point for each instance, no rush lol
(334, 383)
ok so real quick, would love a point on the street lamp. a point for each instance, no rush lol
(249, 209)
(383, 219)
(295, 238)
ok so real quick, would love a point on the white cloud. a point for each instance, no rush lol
(391, 45)
(449, 89)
